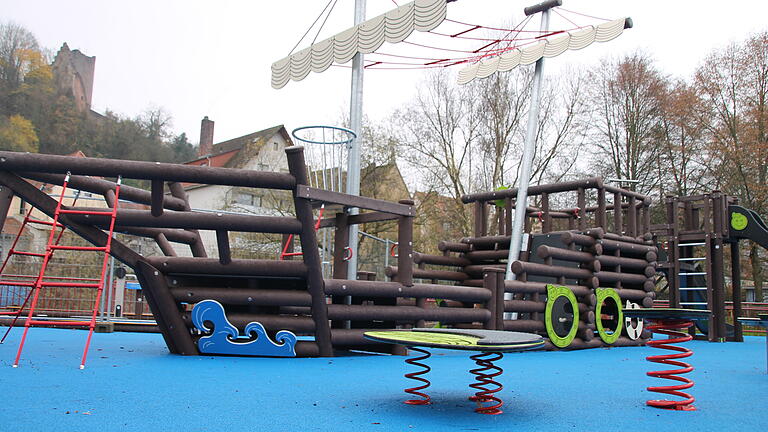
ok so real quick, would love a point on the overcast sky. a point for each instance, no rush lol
(198, 58)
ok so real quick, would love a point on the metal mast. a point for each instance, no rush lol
(521, 203)
(353, 148)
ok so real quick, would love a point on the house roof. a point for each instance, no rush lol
(372, 180)
(224, 153)
(372, 175)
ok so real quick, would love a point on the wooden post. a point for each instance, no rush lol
(673, 278)
(222, 241)
(688, 216)
(601, 218)
(500, 220)
(197, 248)
(315, 283)
(508, 215)
(480, 219)
(736, 290)
(646, 218)
(717, 269)
(165, 310)
(582, 213)
(493, 280)
(158, 193)
(405, 247)
(632, 217)
(546, 225)
(340, 242)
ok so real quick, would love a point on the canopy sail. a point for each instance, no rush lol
(393, 27)
(551, 47)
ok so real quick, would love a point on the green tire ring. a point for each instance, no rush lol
(602, 295)
(553, 293)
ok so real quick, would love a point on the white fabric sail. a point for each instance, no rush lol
(551, 47)
(393, 27)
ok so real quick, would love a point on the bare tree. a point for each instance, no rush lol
(733, 84)
(156, 122)
(503, 102)
(438, 132)
(464, 139)
(563, 126)
(626, 93)
(16, 45)
(682, 168)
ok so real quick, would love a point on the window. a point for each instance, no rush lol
(263, 167)
(21, 206)
(248, 199)
(275, 146)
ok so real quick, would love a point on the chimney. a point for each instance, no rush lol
(206, 137)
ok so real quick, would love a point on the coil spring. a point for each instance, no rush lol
(416, 376)
(672, 328)
(485, 385)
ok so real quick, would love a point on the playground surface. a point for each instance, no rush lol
(131, 383)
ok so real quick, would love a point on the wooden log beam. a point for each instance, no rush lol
(12, 161)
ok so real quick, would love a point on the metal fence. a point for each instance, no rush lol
(748, 309)
(122, 299)
(121, 296)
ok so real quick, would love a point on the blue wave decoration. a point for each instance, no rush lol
(224, 338)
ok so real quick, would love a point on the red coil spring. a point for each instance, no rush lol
(672, 329)
(416, 376)
(485, 385)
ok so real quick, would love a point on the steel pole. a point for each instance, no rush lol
(525, 172)
(111, 288)
(353, 148)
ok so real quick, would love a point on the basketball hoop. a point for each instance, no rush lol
(325, 152)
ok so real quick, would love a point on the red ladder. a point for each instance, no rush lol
(49, 250)
(19, 280)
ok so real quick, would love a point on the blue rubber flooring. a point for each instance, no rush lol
(131, 383)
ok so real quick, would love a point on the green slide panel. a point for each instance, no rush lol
(608, 304)
(561, 315)
(746, 224)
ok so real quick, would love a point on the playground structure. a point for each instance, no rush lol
(281, 295)
(693, 241)
(581, 265)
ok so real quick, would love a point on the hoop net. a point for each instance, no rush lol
(325, 153)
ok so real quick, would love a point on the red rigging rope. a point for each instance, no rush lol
(495, 28)
(518, 28)
(563, 16)
(485, 39)
(415, 67)
(495, 46)
(430, 62)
